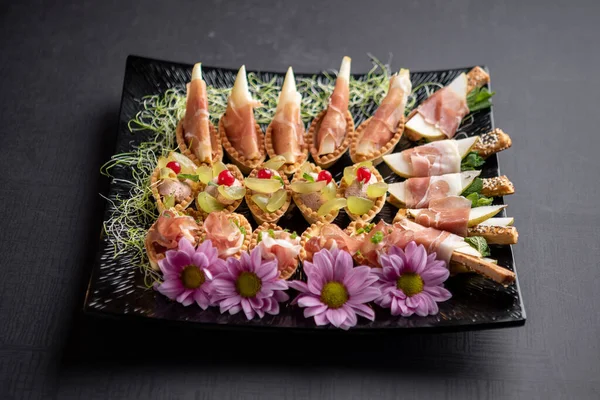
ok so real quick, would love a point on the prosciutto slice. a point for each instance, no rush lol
(239, 122)
(434, 240)
(166, 232)
(195, 122)
(282, 247)
(384, 124)
(371, 250)
(287, 126)
(437, 158)
(331, 237)
(333, 126)
(224, 233)
(420, 191)
(449, 214)
(445, 109)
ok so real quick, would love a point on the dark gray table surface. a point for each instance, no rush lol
(61, 73)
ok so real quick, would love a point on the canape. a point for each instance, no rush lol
(229, 233)
(446, 156)
(440, 115)
(418, 192)
(166, 232)
(315, 193)
(240, 134)
(221, 188)
(323, 235)
(330, 132)
(455, 215)
(451, 248)
(173, 182)
(196, 136)
(268, 195)
(364, 190)
(278, 244)
(379, 134)
(285, 135)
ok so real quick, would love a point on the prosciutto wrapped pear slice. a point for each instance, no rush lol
(196, 120)
(287, 126)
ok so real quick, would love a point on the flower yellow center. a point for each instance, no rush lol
(248, 284)
(192, 277)
(410, 284)
(334, 294)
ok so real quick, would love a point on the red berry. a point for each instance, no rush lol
(226, 178)
(265, 173)
(174, 165)
(324, 176)
(363, 174)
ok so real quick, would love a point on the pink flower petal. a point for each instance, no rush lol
(280, 296)
(186, 246)
(364, 311)
(268, 271)
(223, 286)
(299, 286)
(227, 303)
(337, 316)
(434, 276)
(312, 311)
(351, 319)
(366, 295)
(323, 260)
(309, 301)
(200, 260)
(274, 308)
(233, 310)
(321, 319)
(186, 298)
(201, 299)
(248, 311)
(342, 266)
(178, 259)
(355, 279)
(438, 293)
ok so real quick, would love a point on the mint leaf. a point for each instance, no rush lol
(191, 177)
(377, 237)
(478, 200)
(280, 179)
(480, 244)
(308, 177)
(474, 187)
(471, 162)
(479, 98)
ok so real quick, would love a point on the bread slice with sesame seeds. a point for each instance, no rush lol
(497, 186)
(492, 142)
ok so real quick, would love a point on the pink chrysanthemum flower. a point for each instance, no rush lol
(335, 292)
(187, 273)
(411, 281)
(249, 284)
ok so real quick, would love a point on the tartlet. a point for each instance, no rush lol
(215, 140)
(287, 169)
(378, 202)
(310, 214)
(235, 156)
(261, 216)
(242, 224)
(289, 270)
(227, 207)
(377, 156)
(163, 174)
(327, 160)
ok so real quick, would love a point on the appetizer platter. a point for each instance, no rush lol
(328, 201)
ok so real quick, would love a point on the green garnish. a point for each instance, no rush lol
(308, 177)
(369, 227)
(377, 237)
(211, 183)
(359, 231)
(358, 253)
(471, 162)
(293, 235)
(241, 228)
(474, 187)
(271, 233)
(479, 98)
(480, 244)
(478, 200)
(191, 177)
(280, 179)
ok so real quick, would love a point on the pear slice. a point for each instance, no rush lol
(500, 221)
(420, 129)
(458, 183)
(400, 166)
(476, 215)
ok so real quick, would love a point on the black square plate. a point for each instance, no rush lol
(117, 289)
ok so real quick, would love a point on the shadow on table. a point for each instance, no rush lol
(98, 344)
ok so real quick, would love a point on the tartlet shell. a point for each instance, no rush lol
(231, 207)
(377, 156)
(313, 230)
(179, 207)
(257, 213)
(311, 216)
(287, 169)
(235, 156)
(327, 160)
(289, 271)
(242, 222)
(379, 203)
(217, 149)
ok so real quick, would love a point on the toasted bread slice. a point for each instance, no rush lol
(497, 186)
(492, 142)
(476, 78)
(496, 234)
